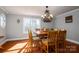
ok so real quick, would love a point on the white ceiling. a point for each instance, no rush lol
(37, 10)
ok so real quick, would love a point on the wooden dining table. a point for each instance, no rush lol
(42, 34)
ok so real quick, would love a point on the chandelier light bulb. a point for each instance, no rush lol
(51, 15)
(42, 16)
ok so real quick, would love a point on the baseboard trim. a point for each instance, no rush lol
(11, 40)
(73, 41)
(16, 39)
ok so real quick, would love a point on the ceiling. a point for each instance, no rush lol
(37, 10)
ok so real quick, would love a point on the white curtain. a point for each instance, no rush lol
(30, 23)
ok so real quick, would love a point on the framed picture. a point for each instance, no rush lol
(69, 19)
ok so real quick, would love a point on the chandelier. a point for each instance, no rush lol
(47, 17)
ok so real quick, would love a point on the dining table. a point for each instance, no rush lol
(42, 34)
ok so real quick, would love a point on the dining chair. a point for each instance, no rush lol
(56, 41)
(34, 45)
(50, 44)
(61, 41)
(52, 41)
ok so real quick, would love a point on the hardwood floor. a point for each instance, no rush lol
(17, 45)
(72, 47)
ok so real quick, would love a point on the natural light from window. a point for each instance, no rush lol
(30, 23)
(2, 21)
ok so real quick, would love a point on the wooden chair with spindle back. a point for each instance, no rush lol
(30, 42)
(56, 38)
(61, 45)
(52, 41)
(34, 44)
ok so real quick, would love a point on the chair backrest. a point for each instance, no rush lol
(52, 36)
(61, 35)
(52, 40)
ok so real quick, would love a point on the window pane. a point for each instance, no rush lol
(30, 23)
(2, 21)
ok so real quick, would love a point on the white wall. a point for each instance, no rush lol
(47, 24)
(15, 30)
(72, 28)
(2, 31)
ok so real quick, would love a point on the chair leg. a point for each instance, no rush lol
(64, 46)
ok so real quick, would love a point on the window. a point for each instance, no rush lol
(2, 21)
(30, 23)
